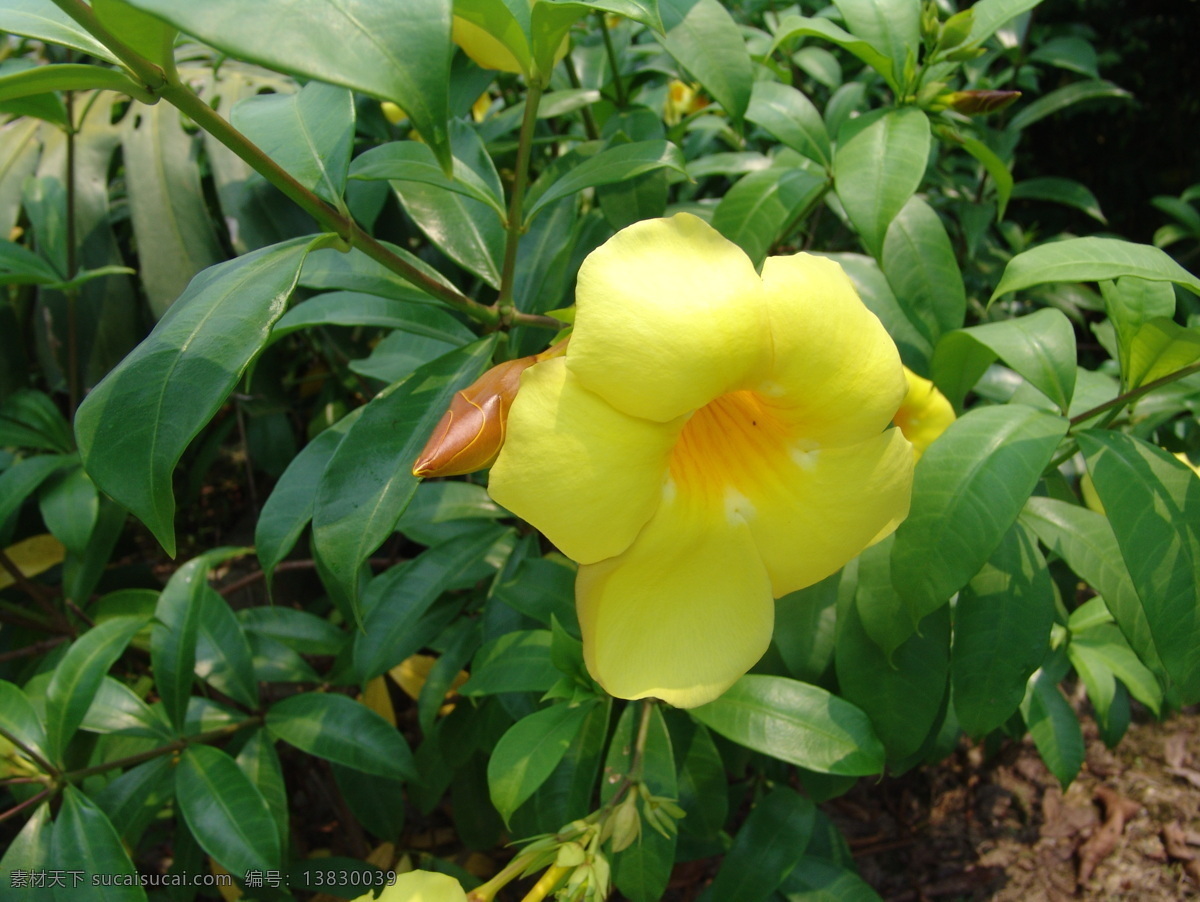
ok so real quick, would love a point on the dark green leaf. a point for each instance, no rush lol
(21, 266)
(223, 658)
(118, 709)
(340, 729)
(260, 762)
(968, 488)
(921, 268)
(1001, 633)
(1060, 191)
(1054, 727)
(22, 478)
(133, 799)
(306, 633)
(30, 851)
(818, 880)
(703, 794)
(769, 844)
(412, 161)
(893, 27)
(795, 722)
(791, 27)
(20, 720)
(1059, 100)
(29, 419)
(518, 661)
(790, 118)
(703, 38)
(369, 481)
(225, 811)
(353, 308)
(134, 426)
(464, 229)
(85, 839)
(764, 206)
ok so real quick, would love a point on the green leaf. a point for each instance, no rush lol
(1130, 303)
(988, 16)
(797, 723)
(464, 229)
(77, 677)
(1054, 727)
(86, 839)
(1001, 633)
(377, 802)
(1092, 260)
(22, 479)
(1103, 647)
(21, 720)
(369, 481)
(329, 268)
(1086, 542)
(69, 77)
(968, 488)
(134, 426)
(358, 44)
(529, 751)
(150, 37)
(30, 851)
(1039, 346)
(29, 419)
(81, 573)
(308, 133)
(398, 619)
(1059, 100)
(1067, 192)
(21, 266)
(223, 656)
(70, 506)
(518, 661)
(170, 214)
(614, 164)
(798, 26)
(804, 628)
(412, 161)
(996, 168)
(353, 308)
(1159, 348)
(872, 286)
(922, 270)
(1153, 504)
(173, 639)
(260, 762)
(901, 692)
(769, 844)
(701, 776)
(703, 38)
(790, 118)
(763, 206)
(133, 799)
(43, 20)
(641, 872)
(299, 630)
(115, 708)
(893, 27)
(817, 880)
(225, 811)
(340, 729)
(877, 170)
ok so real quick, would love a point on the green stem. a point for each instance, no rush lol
(589, 121)
(72, 261)
(618, 85)
(43, 765)
(516, 203)
(1136, 393)
(28, 803)
(187, 101)
(177, 745)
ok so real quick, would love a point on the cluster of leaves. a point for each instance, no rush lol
(321, 279)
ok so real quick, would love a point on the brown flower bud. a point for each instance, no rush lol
(974, 103)
(471, 431)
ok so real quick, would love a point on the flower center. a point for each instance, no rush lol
(729, 450)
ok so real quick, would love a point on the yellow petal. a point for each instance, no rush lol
(588, 476)
(924, 413)
(836, 372)
(419, 886)
(484, 49)
(812, 516)
(32, 556)
(670, 315)
(682, 614)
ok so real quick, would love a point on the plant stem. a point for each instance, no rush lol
(589, 121)
(72, 260)
(516, 203)
(28, 803)
(618, 85)
(43, 765)
(177, 745)
(1136, 393)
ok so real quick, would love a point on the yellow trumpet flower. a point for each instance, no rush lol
(419, 886)
(712, 439)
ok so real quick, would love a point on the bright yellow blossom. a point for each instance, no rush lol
(924, 413)
(420, 886)
(711, 440)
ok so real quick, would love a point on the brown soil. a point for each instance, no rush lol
(1002, 829)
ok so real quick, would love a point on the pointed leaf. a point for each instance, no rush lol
(84, 837)
(769, 844)
(703, 38)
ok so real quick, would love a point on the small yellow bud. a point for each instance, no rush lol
(393, 113)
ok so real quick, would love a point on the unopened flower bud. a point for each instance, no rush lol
(471, 431)
(957, 28)
(974, 103)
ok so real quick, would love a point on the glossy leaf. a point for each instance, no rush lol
(818, 880)
(988, 16)
(369, 481)
(132, 800)
(922, 270)
(21, 266)
(877, 170)
(1040, 346)
(701, 776)
(797, 723)
(996, 168)
(464, 229)
(1153, 504)
(77, 677)
(1058, 100)
(308, 133)
(29, 419)
(306, 633)
(798, 26)
(1001, 633)
(968, 488)
(225, 811)
(768, 845)
(412, 161)
(703, 38)
(43, 20)
(763, 206)
(528, 753)
(790, 118)
(518, 661)
(85, 838)
(20, 720)
(1067, 192)
(70, 506)
(1103, 647)
(353, 308)
(357, 44)
(1159, 348)
(68, 77)
(340, 729)
(890, 26)
(116, 708)
(223, 656)
(1091, 260)
(914, 344)
(134, 426)
(21, 479)
(30, 850)
(150, 37)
